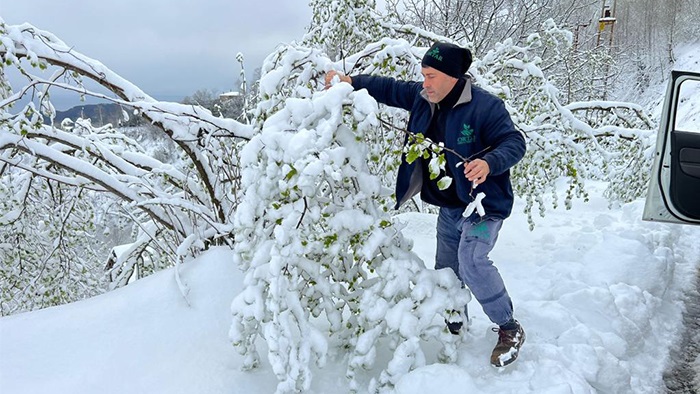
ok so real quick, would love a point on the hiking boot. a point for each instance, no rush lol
(508, 346)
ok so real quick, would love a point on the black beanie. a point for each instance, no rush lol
(448, 58)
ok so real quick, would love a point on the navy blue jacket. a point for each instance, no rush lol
(479, 120)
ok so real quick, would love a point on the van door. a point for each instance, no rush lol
(674, 187)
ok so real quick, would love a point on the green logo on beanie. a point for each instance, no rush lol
(435, 54)
(467, 135)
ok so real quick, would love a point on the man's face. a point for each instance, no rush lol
(437, 84)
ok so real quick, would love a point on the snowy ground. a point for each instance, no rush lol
(598, 291)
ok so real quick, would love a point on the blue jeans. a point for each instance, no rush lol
(464, 247)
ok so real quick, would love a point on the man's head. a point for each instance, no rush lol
(442, 64)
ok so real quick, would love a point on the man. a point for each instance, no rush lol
(447, 108)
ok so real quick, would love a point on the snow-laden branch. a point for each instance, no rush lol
(416, 32)
(189, 199)
(188, 126)
(121, 189)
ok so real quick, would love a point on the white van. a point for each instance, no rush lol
(674, 188)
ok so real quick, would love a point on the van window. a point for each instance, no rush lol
(687, 111)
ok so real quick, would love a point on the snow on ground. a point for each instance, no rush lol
(598, 291)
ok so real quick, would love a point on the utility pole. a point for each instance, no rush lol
(607, 19)
(606, 25)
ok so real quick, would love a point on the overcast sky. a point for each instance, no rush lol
(169, 48)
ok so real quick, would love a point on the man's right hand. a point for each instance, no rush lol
(341, 77)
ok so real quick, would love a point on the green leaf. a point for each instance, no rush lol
(444, 183)
(412, 155)
(329, 240)
(434, 175)
(290, 174)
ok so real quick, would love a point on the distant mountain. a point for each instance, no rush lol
(99, 114)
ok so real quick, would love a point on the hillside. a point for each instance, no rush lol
(99, 115)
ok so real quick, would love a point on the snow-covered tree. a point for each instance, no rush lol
(482, 24)
(180, 208)
(342, 27)
(591, 139)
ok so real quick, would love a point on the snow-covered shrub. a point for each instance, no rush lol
(316, 239)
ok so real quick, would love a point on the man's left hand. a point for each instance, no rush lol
(476, 171)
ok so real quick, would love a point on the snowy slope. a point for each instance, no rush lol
(598, 291)
(144, 338)
(687, 59)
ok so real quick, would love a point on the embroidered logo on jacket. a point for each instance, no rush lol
(466, 135)
(435, 54)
